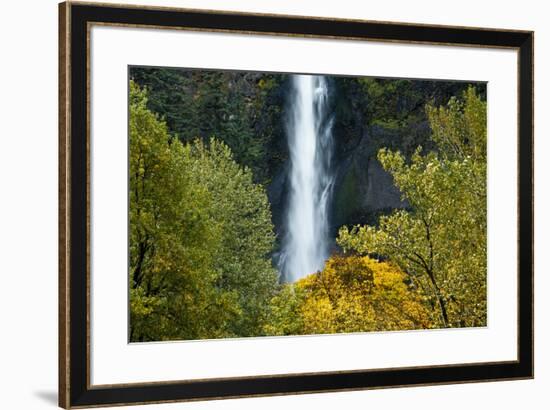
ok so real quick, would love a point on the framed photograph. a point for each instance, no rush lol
(264, 204)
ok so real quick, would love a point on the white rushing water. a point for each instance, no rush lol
(306, 245)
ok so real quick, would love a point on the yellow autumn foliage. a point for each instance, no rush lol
(360, 294)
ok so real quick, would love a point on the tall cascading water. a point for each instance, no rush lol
(306, 244)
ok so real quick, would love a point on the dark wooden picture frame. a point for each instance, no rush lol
(75, 389)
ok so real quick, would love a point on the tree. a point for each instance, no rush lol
(358, 294)
(441, 241)
(172, 239)
(351, 294)
(200, 237)
(241, 209)
(240, 109)
(285, 312)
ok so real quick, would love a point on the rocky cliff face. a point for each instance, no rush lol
(362, 189)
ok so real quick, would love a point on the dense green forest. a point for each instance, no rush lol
(208, 153)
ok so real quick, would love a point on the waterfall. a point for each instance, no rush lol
(309, 129)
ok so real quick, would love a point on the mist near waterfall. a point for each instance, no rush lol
(306, 243)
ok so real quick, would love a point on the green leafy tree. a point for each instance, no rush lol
(285, 312)
(441, 241)
(240, 109)
(173, 242)
(241, 209)
(200, 237)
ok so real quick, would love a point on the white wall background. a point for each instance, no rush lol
(28, 203)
